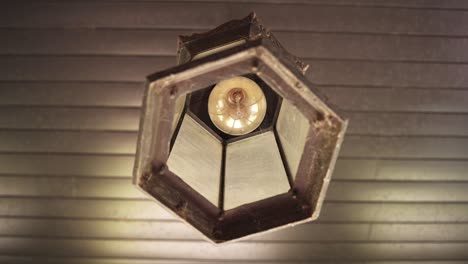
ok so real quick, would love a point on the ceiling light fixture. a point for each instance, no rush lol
(235, 140)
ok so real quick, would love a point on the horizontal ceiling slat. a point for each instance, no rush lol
(398, 192)
(71, 187)
(72, 93)
(119, 143)
(324, 72)
(70, 118)
(303, 44)
(109, 260)
(119, 229)
(456, 4)
(405, 147)
(420, 4)
(129, 210)
(394, 212)
(66, 165)
(412, 124)
(394, 74)
(91, 41)
(405, 100)
(251, 251)
(83, 68)
(326, 232)
(195, 16)
(115, 166)
(88, 208)
(401, 170)
(68, 142)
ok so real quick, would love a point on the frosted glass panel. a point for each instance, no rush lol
(196, 158)
(292, 128)
(254, 171)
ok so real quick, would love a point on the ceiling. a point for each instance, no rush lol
(71, 80)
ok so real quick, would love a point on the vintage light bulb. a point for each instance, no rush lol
(237, 106)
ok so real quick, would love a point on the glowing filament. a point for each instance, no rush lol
(237, 106)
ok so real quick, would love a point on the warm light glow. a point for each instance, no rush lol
(237, 106)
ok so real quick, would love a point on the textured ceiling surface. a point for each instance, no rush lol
(71, 80)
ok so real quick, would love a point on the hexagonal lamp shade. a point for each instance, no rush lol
(234, 140)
